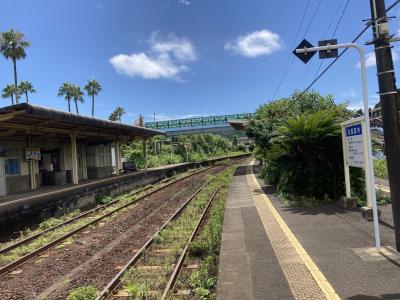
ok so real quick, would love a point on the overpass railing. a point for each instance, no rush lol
(197, 122)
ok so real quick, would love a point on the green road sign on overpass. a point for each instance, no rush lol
(197, 122)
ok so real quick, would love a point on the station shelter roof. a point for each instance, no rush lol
(25, 119)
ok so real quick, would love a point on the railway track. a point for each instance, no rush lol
(97, 209)
(110, 243)
(110, 291)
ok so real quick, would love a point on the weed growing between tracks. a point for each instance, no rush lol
(47, 237)
(149, 277)
(204, 253)
(83, 293)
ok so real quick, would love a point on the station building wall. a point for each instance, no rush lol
(97, 162)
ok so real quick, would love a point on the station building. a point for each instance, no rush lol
(41, 146)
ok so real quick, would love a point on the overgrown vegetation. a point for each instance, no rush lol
(54, 234)
(199, 147)
(140, 280)
(298, 141)
(206, 248)
(83, 293)
(380, 168)
(103, 198)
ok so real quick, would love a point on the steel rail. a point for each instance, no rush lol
(80, 216)
(178, 267)
(114, 284)
(84, 214)
(51, 244)
(93, 210)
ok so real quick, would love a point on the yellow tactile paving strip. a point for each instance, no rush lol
(305, 280)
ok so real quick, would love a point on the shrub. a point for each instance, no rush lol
(241, 148)
(308, 155)
(380, 168)
(298, 141)
(103, 198)
(83, 293)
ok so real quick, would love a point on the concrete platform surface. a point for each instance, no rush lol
(272, 251)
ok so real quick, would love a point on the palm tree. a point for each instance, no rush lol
(12, 45)
(93, 88)
(77, 95)
(9, 91)
(117, 114)
(26, 87)
(66, 91)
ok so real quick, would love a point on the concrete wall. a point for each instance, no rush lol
(99, 172)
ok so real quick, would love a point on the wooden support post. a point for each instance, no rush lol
(145, 153)
(118, 156)
(63, 159)
(74, 160)
(32, 168)
(84, 162)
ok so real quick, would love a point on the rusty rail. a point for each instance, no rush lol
(115, 283)
(178, 267)
(51, 244)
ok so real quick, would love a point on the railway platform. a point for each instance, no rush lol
(272, 251)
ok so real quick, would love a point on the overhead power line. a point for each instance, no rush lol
(341, 54)
(340, 19)
(312, 18)
(290, 57)
(304, 73)
(333, 34)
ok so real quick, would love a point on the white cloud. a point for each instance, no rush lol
(356, 105)
(180, 48)
(145, 66)
(184, 2)
(370, 59)
(167, 58)
(257, 43)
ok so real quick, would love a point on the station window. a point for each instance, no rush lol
(12, 161)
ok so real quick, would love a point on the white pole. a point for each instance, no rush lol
(346, 164)
(369, 164)
(369, 167)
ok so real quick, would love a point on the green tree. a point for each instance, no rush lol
(26, 87)
(77, 95)
(308, 155)
(298, 143)
(269, 115)
(93, 88)
(66, 90)
(12, 45)
(235, 141)
(9, 92)
(117, 114)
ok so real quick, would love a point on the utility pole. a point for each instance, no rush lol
(389, 105)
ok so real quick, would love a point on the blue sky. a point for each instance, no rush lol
(181, 58)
